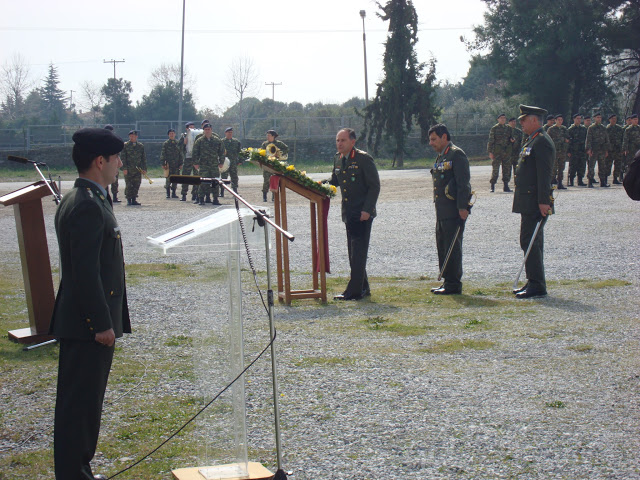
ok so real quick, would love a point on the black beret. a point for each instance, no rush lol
(272, 132)
(560, 116)
(189, 124)
(587, 116)
(597, 114)
(576, 115)
(612, 115)
(512, 119)
(206, 120)
(133, 132)
(170, 130)
(549, 117)
(108, 126)
(530, 110)
(228, 129)
(501, 115)
(635, 115)
(206, 125)
(98, 140)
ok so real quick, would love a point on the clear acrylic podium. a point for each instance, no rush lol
(219, 344)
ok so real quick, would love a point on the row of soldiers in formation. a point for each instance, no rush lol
(584, 144)
(197, 152)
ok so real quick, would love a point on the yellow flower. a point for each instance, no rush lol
(250, 149)
(333, 188)
(262, 152)
(303, 173)
(290, 168)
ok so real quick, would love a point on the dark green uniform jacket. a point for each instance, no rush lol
(451, 187)
(357, 177)
(533, 174)
(92, 295)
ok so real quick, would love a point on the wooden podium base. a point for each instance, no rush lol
(256, 472)
(24, 335)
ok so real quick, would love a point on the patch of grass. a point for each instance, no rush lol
(381, 324)
(473, 323)
(456, 345)
(582, 348)
(136, 272)
(611, 282)
(179, 341)
(555, 404)
(324, 361)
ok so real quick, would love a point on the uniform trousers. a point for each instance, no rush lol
(132, 184)
(445, 231)
(501, 159)
(534, 266)
(83, 371)
(358, 235)
(187, 169)
(114, 186)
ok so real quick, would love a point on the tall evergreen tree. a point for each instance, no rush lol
(162, 103)
(118, 108)
(406, 94)
(53, 97)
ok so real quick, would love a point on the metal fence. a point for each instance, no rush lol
(290, 128)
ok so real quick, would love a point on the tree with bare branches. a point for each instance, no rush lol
(92, 98)
(242, 80)
(14, 84)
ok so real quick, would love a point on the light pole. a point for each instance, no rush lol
(364, 45)
(181, 68)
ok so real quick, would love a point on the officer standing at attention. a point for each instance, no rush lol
(272, 136)
(357, 177)
(516, 133)
(576, 153)
(91, 305)
(597, 146)
(133, 157)
(208, 157)
(560, 137)
(499, 149)
(171, 159)
(232, 147)
(615, 132)
(532, 197)
(451, 193)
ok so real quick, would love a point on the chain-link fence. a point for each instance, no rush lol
(289, 128)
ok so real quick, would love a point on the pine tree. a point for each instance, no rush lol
(406, 95)
(53, 97)
(117, 108)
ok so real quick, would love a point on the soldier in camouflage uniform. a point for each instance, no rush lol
(232, 148)
(551, 121)
(133, 157)
(516, 146)
(616, 132)
(171, 159)
(208, 156)
(499, 149)
(631, 141)
(597, 146)
(284, 151)
(576, 153)
(560, 137)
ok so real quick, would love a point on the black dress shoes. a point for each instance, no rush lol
(99, 477)
(347, 296)
(521, 289)
(531, 293)
(437, 288)
(446, 291)
(366, 293)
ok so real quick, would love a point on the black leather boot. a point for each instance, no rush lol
(603, 182)
(616, 181)
(506, 187)
(571, 181)
(173, 193)
(264, 197)
(493, 187)
(581, 183)
(208, 198)
(168, 192)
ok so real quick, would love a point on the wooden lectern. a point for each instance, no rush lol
(34, 256)
(318, 241)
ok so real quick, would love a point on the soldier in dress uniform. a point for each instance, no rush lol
(91, 310)
(451, 194)
(616, 133)
(576, 152)
(232, 147)
(171, 159)
(532, 197)
(355, 173)
(597, 146)
(499, 149)
(133, 157)
(560, 137)
(208, 157)
(516, 145)
(631, 141)
(272, 136)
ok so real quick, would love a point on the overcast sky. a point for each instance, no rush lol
(313, 48)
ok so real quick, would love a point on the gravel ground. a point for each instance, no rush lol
(553, 395)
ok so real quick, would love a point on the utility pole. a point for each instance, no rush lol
(71, 99)
(181, 69)
(364, 45)
(114, 84)
(273, 97)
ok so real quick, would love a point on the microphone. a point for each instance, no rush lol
(196, 180)
(23, 160)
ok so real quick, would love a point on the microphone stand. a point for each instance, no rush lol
(54, 190)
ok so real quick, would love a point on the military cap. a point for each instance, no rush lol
(228, 129)
(501, 115)
(597, 114)
(559, 116)
(206, 120)
(98, 140)
(170, 130)
(611, 116)
(635, 115)
(549, 117)
(133, 132)
(109, 127)
(530, 110)
(512, 119)
(206, 125)
(272, 132)
(576, 115)
(189, 124)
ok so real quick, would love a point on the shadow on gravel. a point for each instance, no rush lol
(569, 305)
